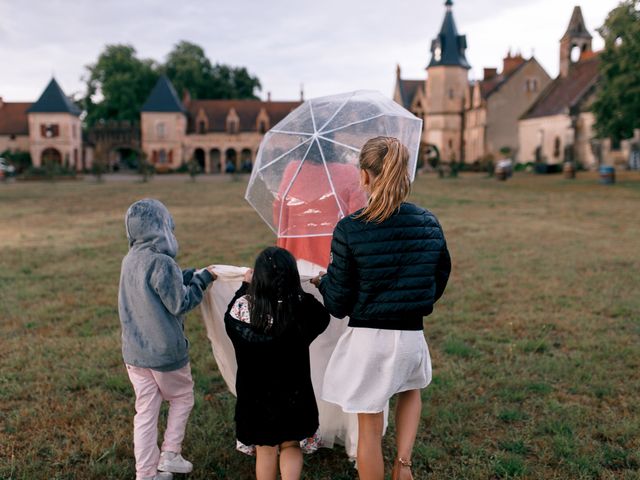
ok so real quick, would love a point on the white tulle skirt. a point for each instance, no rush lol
(336, 426)
(370, 365)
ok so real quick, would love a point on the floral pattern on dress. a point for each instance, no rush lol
(308, 445)
(240, 311)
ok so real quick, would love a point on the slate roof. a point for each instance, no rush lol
(13, 118)
(163, 98)
(451, 44)
(247, 110)
(566, 92)
(489, 87)
(408, 90)
(53, 100)
(577, 27)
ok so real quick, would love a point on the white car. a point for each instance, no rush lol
(6, 169)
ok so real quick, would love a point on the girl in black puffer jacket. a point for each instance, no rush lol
(389, 265)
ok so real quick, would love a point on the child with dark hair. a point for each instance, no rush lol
(271, 322)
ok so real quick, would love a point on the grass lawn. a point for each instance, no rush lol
(535, 344)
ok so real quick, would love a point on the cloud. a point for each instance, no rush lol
(330, 46)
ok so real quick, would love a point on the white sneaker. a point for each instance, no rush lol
(173, 462)
(160, 476)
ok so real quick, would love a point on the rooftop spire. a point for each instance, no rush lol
(53, 100)
(163, 98)
(577, 26)
(448, 48)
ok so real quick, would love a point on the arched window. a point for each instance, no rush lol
(575, 53)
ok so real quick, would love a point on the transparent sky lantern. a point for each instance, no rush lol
(306, 175)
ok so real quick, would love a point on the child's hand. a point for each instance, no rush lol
(248, 275)
(316, 280)
(210, 270)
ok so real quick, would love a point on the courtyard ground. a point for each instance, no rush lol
(535, 344)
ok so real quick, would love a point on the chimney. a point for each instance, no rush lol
(398, 71)
(489, 73)
(268, 96)
(302, 92)
(186, 97)
(510, 63)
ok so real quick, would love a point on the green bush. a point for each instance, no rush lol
(19, 159)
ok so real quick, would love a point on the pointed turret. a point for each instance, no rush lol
(163, 98)
(577, 38)
(53, 100)
(577, 27)
(448, 48)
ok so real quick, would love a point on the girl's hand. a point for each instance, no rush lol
(248, 275)
(316, 280)
(210, 270)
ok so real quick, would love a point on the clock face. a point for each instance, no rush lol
(437, 53)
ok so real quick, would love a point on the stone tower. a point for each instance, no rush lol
(447, 84)
(163, 126)
(55, 133)
(576, 39)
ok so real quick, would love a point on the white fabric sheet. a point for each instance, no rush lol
(336, 426)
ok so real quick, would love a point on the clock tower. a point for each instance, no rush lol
(447, 85)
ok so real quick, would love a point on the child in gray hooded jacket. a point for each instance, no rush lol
(153, 297)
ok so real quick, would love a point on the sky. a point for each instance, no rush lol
(328, 46)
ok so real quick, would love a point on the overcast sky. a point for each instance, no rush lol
(330, 46)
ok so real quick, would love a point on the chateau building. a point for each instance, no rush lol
(519, 108)
(49, 129)
(469, 120)
(221, 135)
(559, 125)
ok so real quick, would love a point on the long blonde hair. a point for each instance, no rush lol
(387, 159)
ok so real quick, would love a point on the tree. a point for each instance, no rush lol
(122, 80)
(118, 84)
(617, 104)
(188, 68)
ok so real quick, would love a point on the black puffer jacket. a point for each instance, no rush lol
(389, 274)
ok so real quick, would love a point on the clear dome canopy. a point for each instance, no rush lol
(306, 175)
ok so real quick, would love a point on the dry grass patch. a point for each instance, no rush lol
(534, 346)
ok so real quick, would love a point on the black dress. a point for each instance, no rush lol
(276, 402)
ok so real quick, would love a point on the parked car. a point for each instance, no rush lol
(6, 169)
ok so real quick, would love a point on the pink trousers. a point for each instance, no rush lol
(152, 387)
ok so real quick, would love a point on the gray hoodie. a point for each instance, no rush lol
(154, 293)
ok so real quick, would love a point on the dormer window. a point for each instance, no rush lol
(232, 126)
(201, 122)
(233, 122)
(262, 126)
